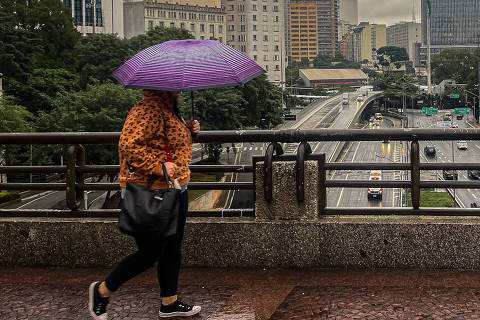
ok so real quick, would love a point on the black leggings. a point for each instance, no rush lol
(165, 251)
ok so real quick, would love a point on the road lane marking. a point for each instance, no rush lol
(36, 199)
(346, 178)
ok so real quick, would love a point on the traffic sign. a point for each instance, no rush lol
(455, 96)
(420, 101)
(462, 110)
(290, 117)
(426, 110)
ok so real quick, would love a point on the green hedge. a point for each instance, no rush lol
(9, 195)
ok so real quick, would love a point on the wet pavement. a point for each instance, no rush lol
(54, 293)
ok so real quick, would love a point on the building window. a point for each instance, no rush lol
(241, 7)
(277, 48)
(255, 57)
(254, 37)
(254, 17)
(202, 38)
(266, 67)
(275, 8)
(254, 27)
(202, 27)
(265, 37)
(264, 8)
(172, 24)
(220, 39)
(231, 8)
(232, 38)
(276, 38)
(254, 7)
(277, 67)
(243, 28)
(231, 27)
(254, 47)
(231, 17)
(220, 29)
(242, 18)
(192, 26)
(243, 48)
(150, 24)
(265, 57)
(162, 24)
(276, 19)
(182, 25)
(212, 28)
(275, 58)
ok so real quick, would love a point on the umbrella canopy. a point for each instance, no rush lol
(187, 65)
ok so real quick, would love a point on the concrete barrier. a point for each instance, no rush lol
(364, 242)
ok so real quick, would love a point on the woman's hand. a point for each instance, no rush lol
(171, 168)
(194, 126)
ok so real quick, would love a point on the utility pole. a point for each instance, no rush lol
(94, 3)
(84, 31)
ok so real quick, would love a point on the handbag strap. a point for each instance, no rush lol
(167, 146)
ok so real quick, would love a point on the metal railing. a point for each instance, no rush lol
(76, 169)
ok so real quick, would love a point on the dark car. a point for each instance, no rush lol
(450, 175)
(459, 116)
(430, 151)
(474, 174)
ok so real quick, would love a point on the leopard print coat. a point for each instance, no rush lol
(142, 142)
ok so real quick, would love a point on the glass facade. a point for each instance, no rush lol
(453, 22)
(78, 12)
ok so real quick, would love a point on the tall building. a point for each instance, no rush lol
(257, 28)
(203, 22)
(108, 15)
(364, 41)
(453, 24)
(307, 17)
(405, 35)
(348, 17)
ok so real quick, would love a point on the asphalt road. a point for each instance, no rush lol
(448, 152)
(366, 152)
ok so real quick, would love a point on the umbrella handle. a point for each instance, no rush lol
(193, 111)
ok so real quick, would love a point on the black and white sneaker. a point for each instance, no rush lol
(178, 309)
(97, 305)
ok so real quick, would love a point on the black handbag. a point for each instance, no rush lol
(149, 211)
(146, 211)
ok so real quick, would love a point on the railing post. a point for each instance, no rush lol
(268, 182)
(303, 151)
(415, 173)
(322, 188)
(75, 156)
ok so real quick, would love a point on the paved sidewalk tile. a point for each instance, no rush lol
(246, 294)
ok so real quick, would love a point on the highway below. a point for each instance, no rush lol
(366, 152)
(448, 152)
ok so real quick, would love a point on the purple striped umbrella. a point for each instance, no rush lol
(187, 65)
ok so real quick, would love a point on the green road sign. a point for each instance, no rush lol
(455, 96)
(426, 110)
(462, 110)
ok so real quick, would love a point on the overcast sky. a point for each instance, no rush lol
(387, 11)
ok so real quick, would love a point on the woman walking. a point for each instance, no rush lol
(142, 154)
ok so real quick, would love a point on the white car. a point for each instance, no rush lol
(462, 145)
(375, 175)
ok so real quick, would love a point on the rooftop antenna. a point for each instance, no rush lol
(414, 19)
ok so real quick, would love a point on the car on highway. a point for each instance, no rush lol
(430, 151)
(359, 99)
(378, 116)
(454, 125)
(450, 175)
(459, 116)
(375, 175)
(462, 145)
(473, 174)
(372, 119)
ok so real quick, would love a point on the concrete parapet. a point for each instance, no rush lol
(366, 242)
(284, 205)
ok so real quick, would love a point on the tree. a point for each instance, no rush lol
(156, 36)
(454, 64)
(100, 108)
(395, 54)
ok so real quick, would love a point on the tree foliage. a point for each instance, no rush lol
(459, 65)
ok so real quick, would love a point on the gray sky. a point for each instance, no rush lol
(387, 11)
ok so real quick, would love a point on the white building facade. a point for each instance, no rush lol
(257, 28)
(107, 14)
(405, 35)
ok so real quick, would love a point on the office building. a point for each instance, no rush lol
(203, 22)
(405, 35)
(257, 28)
(313, 28)
(108, 15)
(454, 24)
(348, 17)
(364, 41)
